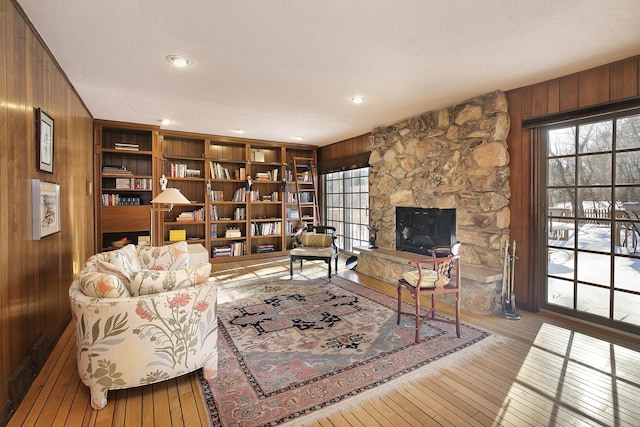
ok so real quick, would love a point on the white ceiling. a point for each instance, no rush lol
(284, 68)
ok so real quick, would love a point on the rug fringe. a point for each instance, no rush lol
(466, 355)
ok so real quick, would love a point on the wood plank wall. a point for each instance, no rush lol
(35, 275)
(341, 154)
(595, 87)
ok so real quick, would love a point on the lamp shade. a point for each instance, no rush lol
(171, 196)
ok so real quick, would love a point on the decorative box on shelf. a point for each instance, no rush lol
(177, 235)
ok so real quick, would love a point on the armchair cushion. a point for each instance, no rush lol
(101, 285)
(169, 257)
(126, 259)
(108, 268)
(146, 282)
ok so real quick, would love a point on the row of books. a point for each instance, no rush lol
(239, 213)
(272, 175)
(240, 195)
(116, 170)
(117, 200)
(134, 184)
(266, 228)
(217, 171)
(181, 170)
(127, 147)
(272, 197)
(216, 195)
(234, 249)
(305, 197)
(197, 215)
(232, 232)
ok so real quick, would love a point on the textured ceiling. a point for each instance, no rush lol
(284, 68)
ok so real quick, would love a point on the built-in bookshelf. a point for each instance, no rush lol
(238, 190)
(124, 182)
(184, 168)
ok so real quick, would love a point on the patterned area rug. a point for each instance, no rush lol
(289, 349)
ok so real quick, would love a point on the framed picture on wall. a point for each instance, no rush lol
(44, 137)
(46, 208)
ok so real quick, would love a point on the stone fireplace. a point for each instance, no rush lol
(452, 158)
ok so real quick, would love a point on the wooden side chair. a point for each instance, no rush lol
(318, 244)
(432, 277)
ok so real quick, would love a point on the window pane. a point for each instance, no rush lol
(561, 171)
(594, 237)
(627, 274)
(628, 132)
(593, 300)
(560, 292)
(561, 142)
(625, 307)
(627, 195)
(594, 202)
(595, 137)
(594, 268)
(628, 167)
(561, 198)
(595, 169)
(561, 263)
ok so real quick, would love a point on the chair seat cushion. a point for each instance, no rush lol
(313, 252)
(429, 278)
(316, 240)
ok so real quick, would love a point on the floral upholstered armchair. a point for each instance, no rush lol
(143, 316)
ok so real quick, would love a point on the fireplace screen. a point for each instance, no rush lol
(420, 229)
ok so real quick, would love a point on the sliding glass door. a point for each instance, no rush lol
(591, 194)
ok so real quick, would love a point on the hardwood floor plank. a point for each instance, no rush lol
(161, 403)
(175, 408)
(548, 371)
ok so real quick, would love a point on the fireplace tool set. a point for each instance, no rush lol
(508, 302)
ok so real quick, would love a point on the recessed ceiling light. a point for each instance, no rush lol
(179, 61)
(165, 122)
(357, 99)
(297, 138)
(238, 130)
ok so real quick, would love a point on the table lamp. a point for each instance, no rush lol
(170, 196)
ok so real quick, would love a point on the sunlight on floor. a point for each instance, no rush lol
(587, 378)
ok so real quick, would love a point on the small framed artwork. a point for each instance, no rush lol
(46, 208)
(44, 136)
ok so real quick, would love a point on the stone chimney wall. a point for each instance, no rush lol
(455, 157)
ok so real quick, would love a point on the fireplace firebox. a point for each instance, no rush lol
(421, 229)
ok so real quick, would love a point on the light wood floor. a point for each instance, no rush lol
(548, 371)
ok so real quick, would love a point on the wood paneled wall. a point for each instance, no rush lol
(344, 154)
(35, 275)
(599, 86)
